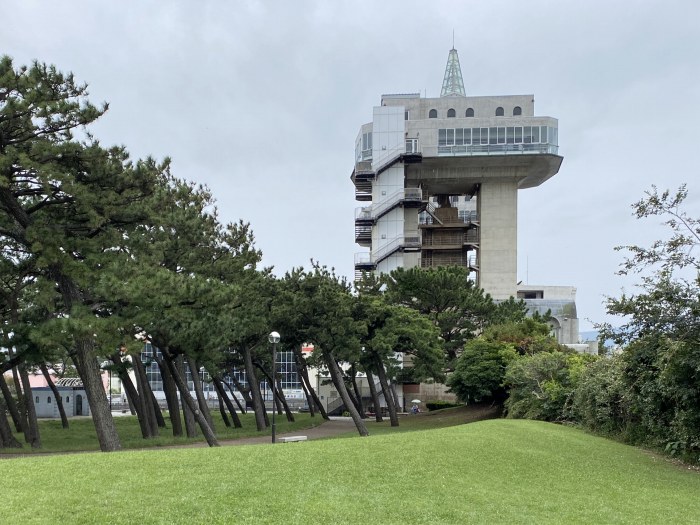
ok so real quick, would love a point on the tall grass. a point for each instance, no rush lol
(496, 471)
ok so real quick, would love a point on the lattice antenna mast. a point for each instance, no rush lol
(452, 84)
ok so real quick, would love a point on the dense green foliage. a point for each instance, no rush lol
(429, 480)
(480, 371)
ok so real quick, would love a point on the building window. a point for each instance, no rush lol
(48, 400)
(67, 399)
(37, 399)
(405, 115)
(517, 110)
(451, 113)
(470, 112)
(499, 111)
(432, 113)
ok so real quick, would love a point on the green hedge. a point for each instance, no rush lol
(439, 405)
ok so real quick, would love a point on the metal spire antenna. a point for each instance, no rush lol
(452, 84)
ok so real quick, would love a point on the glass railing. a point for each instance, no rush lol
(499, 149)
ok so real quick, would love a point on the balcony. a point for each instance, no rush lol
(499, 149)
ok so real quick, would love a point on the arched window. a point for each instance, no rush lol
(470, 112)
(451, 113)
(433, 113)
(517, 110)
(499, 111)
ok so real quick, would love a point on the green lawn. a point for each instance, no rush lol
(81, 434)
(496, 471)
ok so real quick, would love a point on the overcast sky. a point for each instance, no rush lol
(262, 102)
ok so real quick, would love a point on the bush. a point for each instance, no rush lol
(439, 405)
(480, 370)
(601, 403)
(542, 385)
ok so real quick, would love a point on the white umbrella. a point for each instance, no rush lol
(415, 401)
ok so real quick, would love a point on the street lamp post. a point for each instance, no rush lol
(274, 338)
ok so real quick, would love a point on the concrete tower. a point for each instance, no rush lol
(443, 175)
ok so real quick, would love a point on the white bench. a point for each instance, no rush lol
(291, 439)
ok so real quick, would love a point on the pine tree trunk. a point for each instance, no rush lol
(187, 400)
(233, 394)
(85, 359)
(56, 394)
(393, 417)
(8, 439)
(219, 386)
(375, 397)
(156, 408)
(358, 394)
(170, 390)
(11, 405)
(97, 398)
(337, 378)
(145, 396)
(131, 394)
(283, 400)
(198, 390)
(245, 392)
(309, 401)
(395, 396)
(32, 424)
(256, 397)
(187, 414)
(313, 394)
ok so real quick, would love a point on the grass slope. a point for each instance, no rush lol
(496, 471)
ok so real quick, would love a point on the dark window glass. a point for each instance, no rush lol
(48, 399)
(442, 134)
(493, 135)
(535, 134)
(405, 115)
(517, 110)
(501, 135)
(510, 135)
(433, 113)
(450, 137)
(518, 135)
(476, 135)
(499, 111)
(527, 134)
(467, 136)
(459, 136)
(37, 399)
(485, 135)
(470, 112)
(451, 113)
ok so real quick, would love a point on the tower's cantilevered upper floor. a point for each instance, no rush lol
(442, 175)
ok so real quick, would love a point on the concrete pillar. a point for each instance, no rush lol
(498, 217)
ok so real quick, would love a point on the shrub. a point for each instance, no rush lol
(439, 405)
(480, 370)
(600, 400)
(542, 385)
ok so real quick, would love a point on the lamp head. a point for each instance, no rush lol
(274, 337)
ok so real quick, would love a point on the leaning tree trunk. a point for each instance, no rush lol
(278, 395)
(198, 389)
(11, 405)
(337, 378)
(30, 409)
(233, 394)
(393, 417)
(187, 399)
(358, 394)
(256, 397)
(305, 379)
(8, 439)
(131, 394)
(187, 414)
(219, 386)
(309, 401)
(245, 392)
(86, 362)
(375, 397)
(145, 398)
(170, 390)
(56, 394)
(395, 396)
